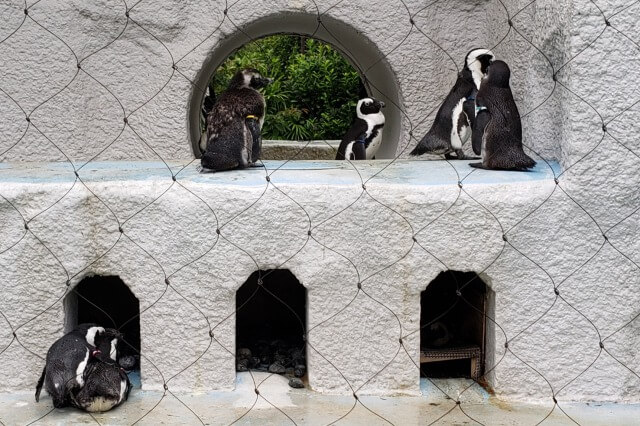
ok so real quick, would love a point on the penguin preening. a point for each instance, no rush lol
(68, 358)
(235, 122)
(452, 125)
(497, 130)
(364, 137)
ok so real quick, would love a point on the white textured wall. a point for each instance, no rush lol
(554, 232)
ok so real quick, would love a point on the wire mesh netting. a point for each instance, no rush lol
(105, 95)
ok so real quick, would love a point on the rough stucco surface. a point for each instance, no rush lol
(554, 232)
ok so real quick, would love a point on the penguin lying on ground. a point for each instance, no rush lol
(497, 131)
(364, 137)
(235, 122)
(67, 359)
(452, 125)
(106, 386)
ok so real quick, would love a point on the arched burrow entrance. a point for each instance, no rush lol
(361, 52)
(107, 301)
(453, 326)
(271, 322)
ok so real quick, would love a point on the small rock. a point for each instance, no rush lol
(244, 353)
(296, 383)
(241, 367)
(276, 368)
(300, 370)
(127, 362)
(254, 362)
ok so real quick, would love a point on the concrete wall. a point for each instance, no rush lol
(149, 68)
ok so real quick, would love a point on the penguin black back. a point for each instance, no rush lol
(69, 356)
(497, 132)
(230, 142)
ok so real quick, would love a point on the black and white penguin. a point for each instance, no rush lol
(207, 105)
(452, 125)
(364, 137)
(497, 131)
(235, 122)
(106, 385)
(69, 356)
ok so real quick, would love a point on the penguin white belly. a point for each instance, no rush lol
(100, 404)
(80, 369)
(374, 145)
(459, 134)
(348, 151)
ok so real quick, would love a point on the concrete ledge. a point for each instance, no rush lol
(314, 219)
(300, 150)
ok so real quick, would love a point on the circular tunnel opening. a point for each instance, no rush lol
(311, 102)
(374, 77)
(271, 322)
(108, 302)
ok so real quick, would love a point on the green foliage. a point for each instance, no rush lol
(315, 90)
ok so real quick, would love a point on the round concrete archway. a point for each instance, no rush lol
(375, 71)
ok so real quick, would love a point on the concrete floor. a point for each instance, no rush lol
(301, 406)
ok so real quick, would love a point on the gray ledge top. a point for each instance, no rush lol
(399, 172)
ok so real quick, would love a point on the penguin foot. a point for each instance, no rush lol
(205, 170)
(478, 166)
(460, 155)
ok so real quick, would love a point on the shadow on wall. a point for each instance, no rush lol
(360, 52)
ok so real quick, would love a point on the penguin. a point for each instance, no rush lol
(453, 123)
(364, 137)
(235, 122)
(67, 359)
(207, 105)
(106, 385)
(497, 130)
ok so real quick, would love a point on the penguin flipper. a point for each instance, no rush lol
(358, 127)
(40, 383)
(460, 155)
(256, 148)
(359, 148)
(480, 123)
(469, 108)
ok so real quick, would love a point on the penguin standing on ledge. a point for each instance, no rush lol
(452, 125)
(364, 137)
(497, 130)
(235, 122)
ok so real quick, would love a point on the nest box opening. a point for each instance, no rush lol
(271, 322)
(453, 312)
(108, 302)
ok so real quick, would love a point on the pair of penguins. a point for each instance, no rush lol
(480, 104)
(234, 124)
(82, 370)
